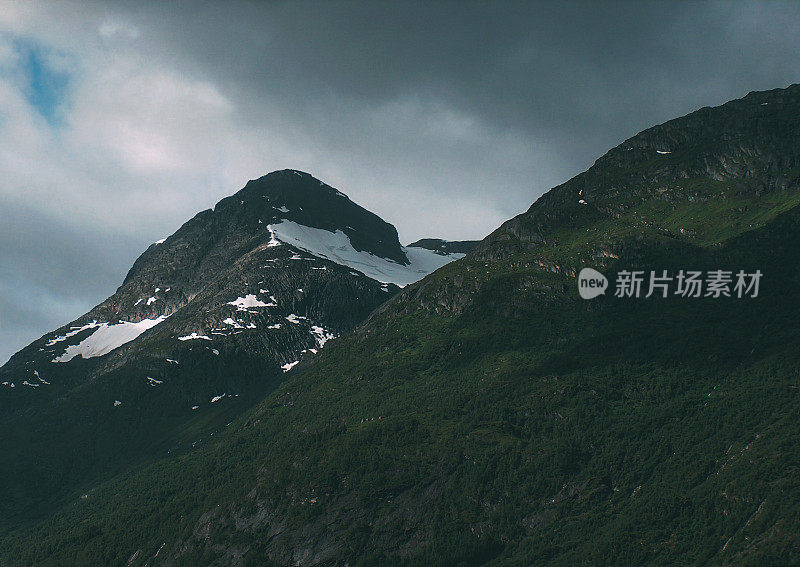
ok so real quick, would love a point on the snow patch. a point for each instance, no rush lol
(336, 247)
(321, 335)
(73, 331)
(273, 241)
(231, 322)
(289, 365)
(250, 300)
(193, 336)
(107, 337)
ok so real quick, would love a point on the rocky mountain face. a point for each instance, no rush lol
(702, 178)
(486, 414)
(205, 322)
(445, 246)
(693, 182)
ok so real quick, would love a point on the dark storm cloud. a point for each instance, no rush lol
(581, 75)
(444, 118)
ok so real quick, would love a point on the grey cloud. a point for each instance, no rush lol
(533, 66)
(43, 284)
(574, 76)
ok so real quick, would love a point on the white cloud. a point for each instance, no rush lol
(114, 28)
(151, 138)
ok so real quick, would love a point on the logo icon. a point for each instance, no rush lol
(591, 283)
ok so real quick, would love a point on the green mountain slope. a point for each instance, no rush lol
(488, 415)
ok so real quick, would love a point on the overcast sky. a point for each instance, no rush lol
(119, 121)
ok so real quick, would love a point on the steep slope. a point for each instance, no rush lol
(487, 414)
(205, 323)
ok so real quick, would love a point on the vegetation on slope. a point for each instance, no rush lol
(608, 431)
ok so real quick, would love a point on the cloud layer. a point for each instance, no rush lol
(119, 121)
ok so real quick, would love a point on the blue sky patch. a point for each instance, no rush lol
(45, 87)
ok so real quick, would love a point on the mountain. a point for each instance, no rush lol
(486, 414)
(204, 324)
(445, 246)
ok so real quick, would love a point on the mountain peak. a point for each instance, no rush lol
(290, 183)
(296, 196)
